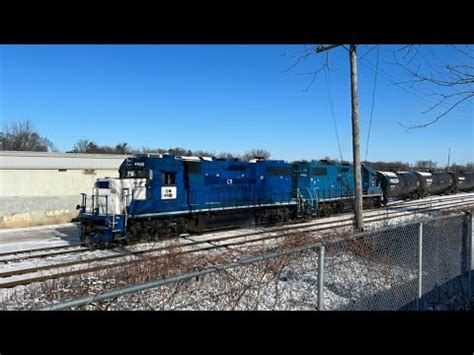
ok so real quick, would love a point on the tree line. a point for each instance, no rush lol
(22, 136)
(90, 147)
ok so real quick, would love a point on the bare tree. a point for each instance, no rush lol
(301, 57)
(90, 147)
(86, 146)
(459, 168)
(122, 148)
(256, 153)
(227, 156)
(153, 150)
(451, 84)
(81, 146)
(22, 136)
(426, 165)
(388, 166)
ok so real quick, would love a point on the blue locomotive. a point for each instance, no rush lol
(156, 196)
(162, 195)
(323, 188)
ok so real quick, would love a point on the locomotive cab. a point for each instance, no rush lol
(103, 216)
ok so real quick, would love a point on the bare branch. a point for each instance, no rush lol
(315, 73)
(306, 53)
(437, 118)
(367, 52)
(463, 52)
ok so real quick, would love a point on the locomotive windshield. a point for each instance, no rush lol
(134, 173)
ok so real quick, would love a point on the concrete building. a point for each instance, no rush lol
(44, 188)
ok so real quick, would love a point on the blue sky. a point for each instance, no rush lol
(223, 98)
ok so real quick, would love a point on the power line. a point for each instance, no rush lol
(373, 104)
(331, 105)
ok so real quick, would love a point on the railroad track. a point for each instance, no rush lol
(25, 254)
(31, 253)
(190, 245)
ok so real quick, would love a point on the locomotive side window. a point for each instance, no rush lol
(194, 167)
(102, 184)
(279, 171)
(168, 179)
(319, 171)
(237, 167)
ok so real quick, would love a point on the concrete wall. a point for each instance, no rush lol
(36, 197)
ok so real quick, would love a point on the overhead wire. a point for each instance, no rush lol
(373, 104)
(331, 105)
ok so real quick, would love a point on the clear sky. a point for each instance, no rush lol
(224, 98)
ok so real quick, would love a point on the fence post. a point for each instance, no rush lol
(321, 279)
(465, 250)
(471, 246)
(468, 252)
(420, 264)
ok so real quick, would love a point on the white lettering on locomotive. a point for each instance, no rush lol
(168, 192)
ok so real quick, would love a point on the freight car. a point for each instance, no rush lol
(413, 185)
(163, 195)
(441, 183)
(402, 184)
(465, 182)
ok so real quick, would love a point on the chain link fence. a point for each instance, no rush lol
(423, 265)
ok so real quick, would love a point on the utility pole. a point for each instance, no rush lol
(358, 208)
(449, 157)
(355, 140)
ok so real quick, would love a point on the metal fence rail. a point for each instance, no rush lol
(183, 277)
(423, 265)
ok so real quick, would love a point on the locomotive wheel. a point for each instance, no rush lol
(322, 212)
(100, 241)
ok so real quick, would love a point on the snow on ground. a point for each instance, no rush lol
(284, 283)
(248, 288)
(38, 237)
